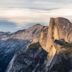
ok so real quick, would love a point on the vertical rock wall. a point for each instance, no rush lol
(58, 29)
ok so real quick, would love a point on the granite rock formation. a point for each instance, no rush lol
(59, 45)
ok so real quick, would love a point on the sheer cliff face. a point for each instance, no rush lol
(43, 37)
(59, 28)
(64, 28)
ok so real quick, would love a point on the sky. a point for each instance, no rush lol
(22, 12)
(36, 4)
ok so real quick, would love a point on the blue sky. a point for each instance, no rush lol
(21, 12)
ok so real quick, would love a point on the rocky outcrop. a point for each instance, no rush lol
(31, 60)
(59, 29)
(43, 37)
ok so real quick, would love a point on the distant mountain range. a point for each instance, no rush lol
(7, 26)
(10, 26)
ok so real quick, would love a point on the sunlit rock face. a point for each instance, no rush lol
(43, 37)
(64, 27)
(59, 52)
(59, 28)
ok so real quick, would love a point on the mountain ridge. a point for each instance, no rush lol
(11, 43)
(39, 48)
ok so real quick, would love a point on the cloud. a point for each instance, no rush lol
(61, 12)
(29, 15)
(35, 4)
(21, 18)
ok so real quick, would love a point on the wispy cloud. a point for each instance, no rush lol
(37, 4)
